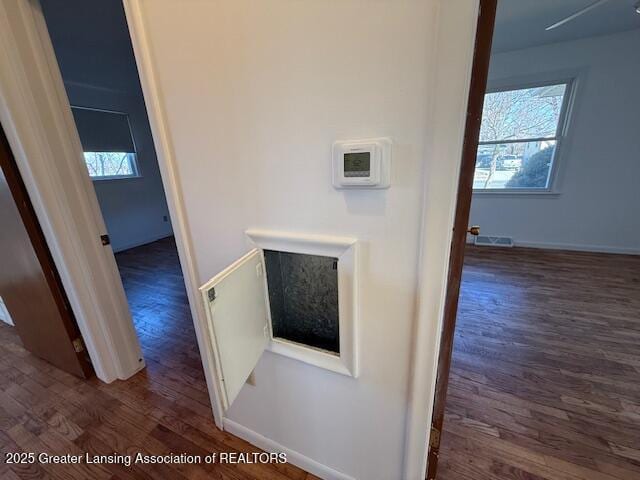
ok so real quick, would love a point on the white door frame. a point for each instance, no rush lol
(173, 192)
(35, 113)
(455, 39)
(37, 120)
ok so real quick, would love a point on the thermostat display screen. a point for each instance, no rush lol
(357, 164)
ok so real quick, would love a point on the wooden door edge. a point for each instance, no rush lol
(478, 86)
(36, 236)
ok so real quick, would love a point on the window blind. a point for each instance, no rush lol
(103, 131)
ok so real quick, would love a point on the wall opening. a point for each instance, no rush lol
(303, 298)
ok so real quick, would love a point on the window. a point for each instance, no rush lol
(109, 151)
(110, 164)
(520, 133)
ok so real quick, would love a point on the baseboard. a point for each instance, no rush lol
(578, 247)
(293, 457)
(128, 246)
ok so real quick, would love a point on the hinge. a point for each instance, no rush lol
(211, 294)
(434, 438)
(105, 239)
(78, 345)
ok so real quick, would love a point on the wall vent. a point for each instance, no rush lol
(487, 241)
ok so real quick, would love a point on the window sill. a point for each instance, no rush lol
(115, 179)
(516, 193)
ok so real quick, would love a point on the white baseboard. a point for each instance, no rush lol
(578, 247)
(293, 457)
(122, 248)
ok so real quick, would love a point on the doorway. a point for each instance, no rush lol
(538, 367)
(93, 49)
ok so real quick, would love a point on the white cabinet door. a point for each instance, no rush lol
(238, 321)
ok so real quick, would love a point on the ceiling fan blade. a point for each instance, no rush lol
(577, 14)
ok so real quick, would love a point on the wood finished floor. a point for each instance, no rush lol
(545, 382)
(163, 409)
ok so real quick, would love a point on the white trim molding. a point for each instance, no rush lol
(454, 47)
(578, 247)
(139, 243)
(293, 457)
(345, 249)
(575, 78)
(37, 120)
(171, 182)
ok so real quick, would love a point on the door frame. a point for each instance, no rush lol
(477, 89)
(32, 227)
(173, 192)
(37, 120)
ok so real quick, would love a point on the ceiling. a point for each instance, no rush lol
(93, 46)
(521, 23)
(92, 43)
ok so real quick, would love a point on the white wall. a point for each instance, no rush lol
(134, 209)
(254, 94)
(598, 197)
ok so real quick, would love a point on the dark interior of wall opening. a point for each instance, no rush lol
(303, 296)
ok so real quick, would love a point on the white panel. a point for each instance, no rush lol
(238, 321)
(346, 250)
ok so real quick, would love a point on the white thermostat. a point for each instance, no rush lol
(362, 163)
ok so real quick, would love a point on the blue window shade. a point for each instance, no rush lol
(102, 131)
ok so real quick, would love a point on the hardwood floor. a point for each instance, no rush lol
(545, 381)
(163, 409)
(157, 298)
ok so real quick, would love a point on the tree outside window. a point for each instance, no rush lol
(110, 164)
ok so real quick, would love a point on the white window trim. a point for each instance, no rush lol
(345, 249)
(560, 137)
(135, 168)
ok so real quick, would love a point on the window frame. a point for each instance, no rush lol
(134, 167)
(560, 134)
(135, 163)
